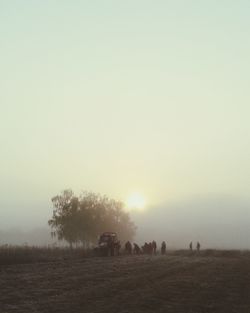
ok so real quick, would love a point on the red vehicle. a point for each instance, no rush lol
(108, 244)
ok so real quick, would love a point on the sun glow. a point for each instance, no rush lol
(136, 201)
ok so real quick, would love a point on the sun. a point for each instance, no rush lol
(136, 201)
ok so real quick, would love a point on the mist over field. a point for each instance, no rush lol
(217, 222)
(122, 98)
(125, 125)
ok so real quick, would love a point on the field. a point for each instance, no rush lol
(175, 283)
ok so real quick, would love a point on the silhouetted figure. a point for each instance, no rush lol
(198, 246)
(163, 248)
(154, 246)
(128, 247)
(111, 246)
(191, 246)
(143, 248)
(150, 248)
(137, 249)
(118, 247)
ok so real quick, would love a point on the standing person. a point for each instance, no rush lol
(150, 248)
(198, 246)
(191, 246)
(128, 247)
(154, 246)
(137, 249)
(118, 247)
(112, 248)
(163, 248)
(144, 248)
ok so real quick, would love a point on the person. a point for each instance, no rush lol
(191, 246)
(144, 248)
(111, 246)
(137, 249)
(154, 246)
(128, 247)
(118, 247)
(163, 247)
(198, 246)
(147, 248)
(150, 248)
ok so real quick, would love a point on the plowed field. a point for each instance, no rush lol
(178, 284)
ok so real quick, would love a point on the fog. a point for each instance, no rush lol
(220, 222)
(127, 97)
(39, 236)
(217, 222)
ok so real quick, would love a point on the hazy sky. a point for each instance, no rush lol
(122, 96)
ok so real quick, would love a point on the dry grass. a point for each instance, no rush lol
(212, 282)
(10, 254)
(30, 254)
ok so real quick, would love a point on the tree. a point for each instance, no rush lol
(84, 218)
(64, 218)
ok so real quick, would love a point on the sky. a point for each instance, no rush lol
(119, 97)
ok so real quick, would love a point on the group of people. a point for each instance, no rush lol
(151, 247)
(198, 246)
(148, 248)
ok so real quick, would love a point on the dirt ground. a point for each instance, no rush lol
(176, 283)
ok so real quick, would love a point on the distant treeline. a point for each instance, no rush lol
(81, 219)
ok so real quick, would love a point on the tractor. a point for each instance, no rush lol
(108, 245)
